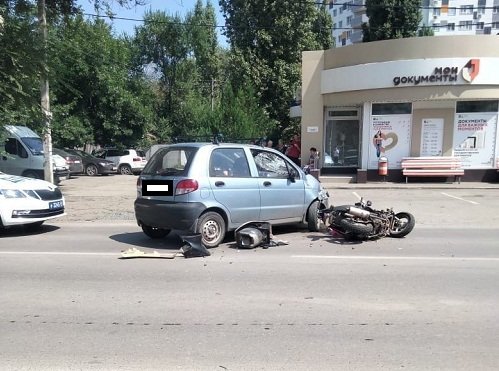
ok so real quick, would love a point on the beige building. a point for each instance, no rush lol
(426, 96)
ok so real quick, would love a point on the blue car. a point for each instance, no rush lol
(211, 189)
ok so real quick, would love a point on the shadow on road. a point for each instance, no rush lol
(21, 231)
(335, 239)
(170, 242)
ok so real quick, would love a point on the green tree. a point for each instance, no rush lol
(426, 31)
(95, 97)
(391, 19)
(267, 38)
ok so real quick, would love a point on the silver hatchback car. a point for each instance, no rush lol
(214, 188)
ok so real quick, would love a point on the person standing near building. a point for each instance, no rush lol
(281, 147)
(294, 150)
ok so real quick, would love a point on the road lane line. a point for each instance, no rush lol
(58, 253)
(365, 257)
(356, 195)
(459, 198)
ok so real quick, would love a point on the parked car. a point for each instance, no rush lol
(93, 165)
(24, 155)
(214, 188)
(28, 201)
(128, 161)
(74, 162)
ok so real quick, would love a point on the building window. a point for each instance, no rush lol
(465, 25)
(477, 106)
(340, 24)
(331, 4)
(341, 10)
(334, 26)
(436, 27)
(344, 7)
(451, 11)
(349, 20)
(480, 10)
(391, 108)
(335, 12)
(495, 25)
(436, 11)
(495, 9)
(479, 26)
(466, 9)
(451, 26)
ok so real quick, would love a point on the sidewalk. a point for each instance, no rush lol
(332, 183)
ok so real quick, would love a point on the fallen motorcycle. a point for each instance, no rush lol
(362, 222)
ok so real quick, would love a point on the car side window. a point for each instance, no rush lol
(229, 162)
(112, 153)
(13, 147)
(270, 165)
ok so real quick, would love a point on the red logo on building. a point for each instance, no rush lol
(471, 69)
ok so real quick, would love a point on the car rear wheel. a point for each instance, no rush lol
(125, 170)
(155, 233)
(212, 228)
(91, 170)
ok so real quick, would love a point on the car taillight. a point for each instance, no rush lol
(186, 186)
(137, 159)
(139, 183)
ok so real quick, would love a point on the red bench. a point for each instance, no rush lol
(432, 167)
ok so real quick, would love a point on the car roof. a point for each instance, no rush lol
(209, 144)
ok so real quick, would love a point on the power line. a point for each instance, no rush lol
(270, 27)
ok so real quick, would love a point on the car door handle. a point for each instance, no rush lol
(267, 183)
(219, 183)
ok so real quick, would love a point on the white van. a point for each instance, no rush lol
(24, 155)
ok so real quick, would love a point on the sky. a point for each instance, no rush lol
(171, 7)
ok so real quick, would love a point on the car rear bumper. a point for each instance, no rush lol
(167, 214)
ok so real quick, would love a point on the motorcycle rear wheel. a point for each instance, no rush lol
(358, 230)
(403, 225)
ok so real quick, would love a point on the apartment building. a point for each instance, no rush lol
(445, 17)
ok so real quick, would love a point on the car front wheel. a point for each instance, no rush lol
(313, 220)
(212, 228)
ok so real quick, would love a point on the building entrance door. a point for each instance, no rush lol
(342, 139)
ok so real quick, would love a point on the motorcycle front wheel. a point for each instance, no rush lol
(403, 224)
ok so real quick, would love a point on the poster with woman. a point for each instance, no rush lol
(391, 138)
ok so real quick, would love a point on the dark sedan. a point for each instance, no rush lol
(74, 161)
(93, 165)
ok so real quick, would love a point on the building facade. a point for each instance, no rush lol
(425, 96)
(445, 17)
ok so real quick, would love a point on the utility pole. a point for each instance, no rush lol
(212, 94)
(45, 99)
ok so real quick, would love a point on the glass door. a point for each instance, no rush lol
(342, 140)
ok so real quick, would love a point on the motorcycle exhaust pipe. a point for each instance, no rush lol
(359, 213)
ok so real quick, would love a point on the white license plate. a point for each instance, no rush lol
(56, 205)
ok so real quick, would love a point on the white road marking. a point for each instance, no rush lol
(356, 195)
(365, 257)
(459, 198)
(58, 253)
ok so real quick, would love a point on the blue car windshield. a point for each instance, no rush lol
(34, 144)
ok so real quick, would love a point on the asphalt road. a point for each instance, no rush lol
(425, 302)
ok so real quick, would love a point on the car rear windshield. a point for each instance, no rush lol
(170, 161)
